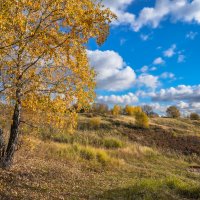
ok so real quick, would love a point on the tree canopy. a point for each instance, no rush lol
(43, 63)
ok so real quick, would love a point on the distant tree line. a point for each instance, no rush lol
(129, 110)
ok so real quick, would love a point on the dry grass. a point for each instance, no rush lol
(110, 162)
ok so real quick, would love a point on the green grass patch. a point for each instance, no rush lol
(112, 143)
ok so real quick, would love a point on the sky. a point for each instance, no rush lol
(152, 55)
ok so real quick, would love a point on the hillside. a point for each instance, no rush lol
(112, 159)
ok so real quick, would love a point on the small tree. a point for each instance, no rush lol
(194, 116)
(173, 112)
(100, 108)
(43, 60)
(137, 109)
(116, 110)
(141, 120)
(129, 110)
(148, 110)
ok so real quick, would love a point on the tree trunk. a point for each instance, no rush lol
(2, 145)
(14, 133)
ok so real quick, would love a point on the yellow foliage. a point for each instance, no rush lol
(44, 69)
(131, 110)
(95, 122)
(141, 120)
(116, 110)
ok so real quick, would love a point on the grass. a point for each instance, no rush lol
(112, 143)
(150, 189)
(181, 126)
(115, 161)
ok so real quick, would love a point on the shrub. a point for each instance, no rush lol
(112, 143)
(173, 112)
(95, 122)
(116, 110)
(102, 157)
(129, 110)
(87, 153)
(141, 120)
(194, 116)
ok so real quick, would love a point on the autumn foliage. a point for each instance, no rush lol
(132, 110)
(43, 62)
(141, 120)
(116, 110)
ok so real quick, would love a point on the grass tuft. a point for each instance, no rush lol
(111, 143)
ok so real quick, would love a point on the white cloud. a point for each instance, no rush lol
(177, 10)
(181, 92)
(112, 72)
(181, 58)
(187, 108)
(119, 7)
(144, 69)
(170, 52)
(157, 107)
(158, 61)
(153, 69)
(145, 94)
(191, 35)
(129, 98)
(167, 75)
(117, 4)
(148, 81)
(196, 105)
(183, 105)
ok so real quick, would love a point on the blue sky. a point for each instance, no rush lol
(152, 55)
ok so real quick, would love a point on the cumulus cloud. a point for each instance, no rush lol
(158, 61)
(178, 10)
(119, 7)
(167, 75)
(129, 98)
(160, 108)
(144, 69)
(188, 107)
(183, 105)
(181, 92)
(170, 52)
(112, 72)
(148, 80)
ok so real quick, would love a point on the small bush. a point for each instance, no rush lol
(141, 120)
(131, 110)
(116, 110)
(95, 122)
(102, 157)
(194, 116)
(112, 143)
(87, 153)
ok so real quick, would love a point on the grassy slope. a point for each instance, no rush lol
(114, 161)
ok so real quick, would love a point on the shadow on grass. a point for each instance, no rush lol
(148, 189)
